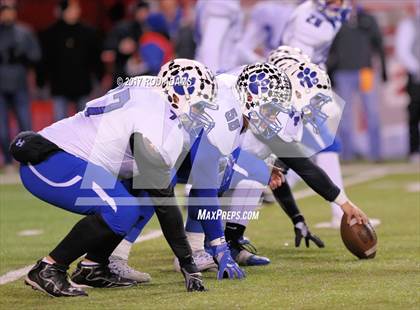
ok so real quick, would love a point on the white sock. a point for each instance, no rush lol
(46, 260)
(86, 263)
(330, 163)
(292, 178)
(123, 249)
(196, 240)
(246, 197)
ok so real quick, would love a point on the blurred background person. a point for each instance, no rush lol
(407, 44)
(180, 18)
(218, 29)
(350, 62)
(19, 49)
(155, 48)
(264, 30)
(71, 52)
(122, 42)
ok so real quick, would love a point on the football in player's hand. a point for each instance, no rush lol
(359, 239)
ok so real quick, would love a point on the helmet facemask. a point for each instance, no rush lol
(198, 119)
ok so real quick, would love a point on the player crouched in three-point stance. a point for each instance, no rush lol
(78, 164)
(211, 134)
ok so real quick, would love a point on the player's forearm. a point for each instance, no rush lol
(285, 198)
(171, 222)
(314, 176)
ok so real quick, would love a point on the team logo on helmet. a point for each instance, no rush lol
(307, 77)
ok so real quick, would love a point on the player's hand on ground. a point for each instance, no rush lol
(193, 280)
(277, 177)
(354, 212)
(228, 268)
(302, 232)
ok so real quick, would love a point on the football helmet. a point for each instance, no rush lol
(284, 56)
(190, 88)
(263, 91)
(311, 90)
(334, 10)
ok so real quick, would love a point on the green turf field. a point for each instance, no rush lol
(329, 278)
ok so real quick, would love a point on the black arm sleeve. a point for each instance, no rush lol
(313, 175)
(154, 178)
(171, 222)
(285, 199)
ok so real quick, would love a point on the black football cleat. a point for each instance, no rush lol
(99, 276)
(52, 279)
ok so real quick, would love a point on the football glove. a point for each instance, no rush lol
(193, 281)
(228, 268)
(302, 231)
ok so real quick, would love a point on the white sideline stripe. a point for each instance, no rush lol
(71, 182)
(154, 234)
(19, 273)
(14, 274)
(363, 177)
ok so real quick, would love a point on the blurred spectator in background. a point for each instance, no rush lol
(408, 52)
(172, 13)
(179, 16)
(19, 49)
(155, 46)
(71, 56)
(350, 62)
(122, 42)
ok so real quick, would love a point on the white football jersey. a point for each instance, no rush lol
(250, 143)
(228, 117)
(265, 29)
(218, 29)
(309, 30)
(101, 132)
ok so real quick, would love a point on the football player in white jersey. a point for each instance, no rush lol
(308, 103)
(282, 136)
(264, 28)
(223, 140)
(78, 165)
(312, 28)
(216, 134)
(218, 29)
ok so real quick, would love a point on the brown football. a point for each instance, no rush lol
(359, 239)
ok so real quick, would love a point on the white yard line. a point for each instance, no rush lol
(369, 174)
(18, 273)
(153, 234)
